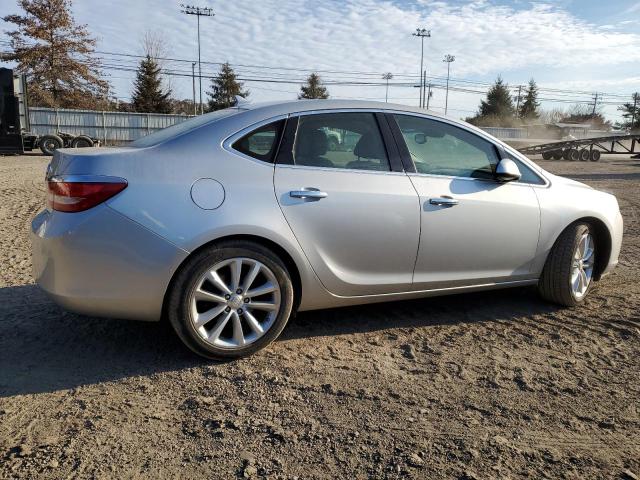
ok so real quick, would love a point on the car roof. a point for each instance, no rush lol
(294, 106)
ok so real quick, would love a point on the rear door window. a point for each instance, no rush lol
(340, 140)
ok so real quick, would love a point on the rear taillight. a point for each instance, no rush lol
(68, 196)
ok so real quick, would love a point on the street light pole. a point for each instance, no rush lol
(193, 84)
(198, 12)
(448, 59)
(387, 76)
(422, 33)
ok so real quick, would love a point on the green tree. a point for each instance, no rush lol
(57, 56)
(529, 107)
(498, 102)
(631, 112)
(148, 94)
(224, 89)
(313, 88)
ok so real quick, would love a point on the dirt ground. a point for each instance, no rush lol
(477, 386)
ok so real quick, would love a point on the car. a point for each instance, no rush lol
(229, 223)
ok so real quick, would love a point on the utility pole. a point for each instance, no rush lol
(424, 87)
(595, 104)
(421, 33)
(448, 59)
(198, 12)
(428, 95)
(518, 101)
(193, 83)
(387, 76)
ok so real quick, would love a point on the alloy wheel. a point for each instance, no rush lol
(235, 302)
(582, 266)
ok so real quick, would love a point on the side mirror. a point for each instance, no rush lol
(507, 171)
(420, 138)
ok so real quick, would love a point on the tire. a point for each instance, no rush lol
(566, 154)
(574, 155)
(584, 155)
(180, 306)
(557, 154)
(555, 282)
(595, 155)
(81, 141)
(50, 143)
(547, 155)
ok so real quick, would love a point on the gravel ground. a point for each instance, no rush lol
(486, 385)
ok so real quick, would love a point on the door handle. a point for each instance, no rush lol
(443, 201)
(309, 192)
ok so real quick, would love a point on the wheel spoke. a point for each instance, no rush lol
(251, 276)
(238, 336)
(205, 317)
(575, 281)
(253, 323)
(218, 282)
(584, 280)
(263, 290)
(262, 306)
(236, 269)
(208, 296)
(217, 330)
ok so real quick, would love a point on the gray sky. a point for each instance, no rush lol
(576, 45)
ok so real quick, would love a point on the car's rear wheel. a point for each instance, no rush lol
(567, 276)
(231, 300)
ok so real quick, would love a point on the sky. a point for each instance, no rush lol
(578, 45)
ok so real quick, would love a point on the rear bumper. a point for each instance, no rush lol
(99, 262)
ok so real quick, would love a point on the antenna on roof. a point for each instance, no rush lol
(241, 101)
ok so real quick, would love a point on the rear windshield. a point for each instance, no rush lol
(179, 128)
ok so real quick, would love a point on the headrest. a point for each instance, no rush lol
(311, 143)
(369, 146)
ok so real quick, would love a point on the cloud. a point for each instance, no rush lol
(364, 36)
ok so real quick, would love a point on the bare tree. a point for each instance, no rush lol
(154, 46)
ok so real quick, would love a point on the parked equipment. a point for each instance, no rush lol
(586, 149)
(15, 137)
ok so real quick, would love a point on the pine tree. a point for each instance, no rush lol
(313, 88)
(498, 102)
(224, 89)
(56, 54)
(529, 108)
(148, 95)
(631, 112)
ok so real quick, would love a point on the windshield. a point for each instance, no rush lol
(179, 128)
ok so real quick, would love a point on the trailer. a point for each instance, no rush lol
(587, 148)
(15, 137)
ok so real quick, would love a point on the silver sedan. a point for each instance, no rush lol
(229, 223)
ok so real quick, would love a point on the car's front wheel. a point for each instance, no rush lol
(231, 300)
(567, 276)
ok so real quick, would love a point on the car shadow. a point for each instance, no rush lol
(45, 349)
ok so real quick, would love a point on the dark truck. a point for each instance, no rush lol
(15, 137)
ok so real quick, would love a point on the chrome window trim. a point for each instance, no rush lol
(472, 179)
(226, 143)
(337, 169)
